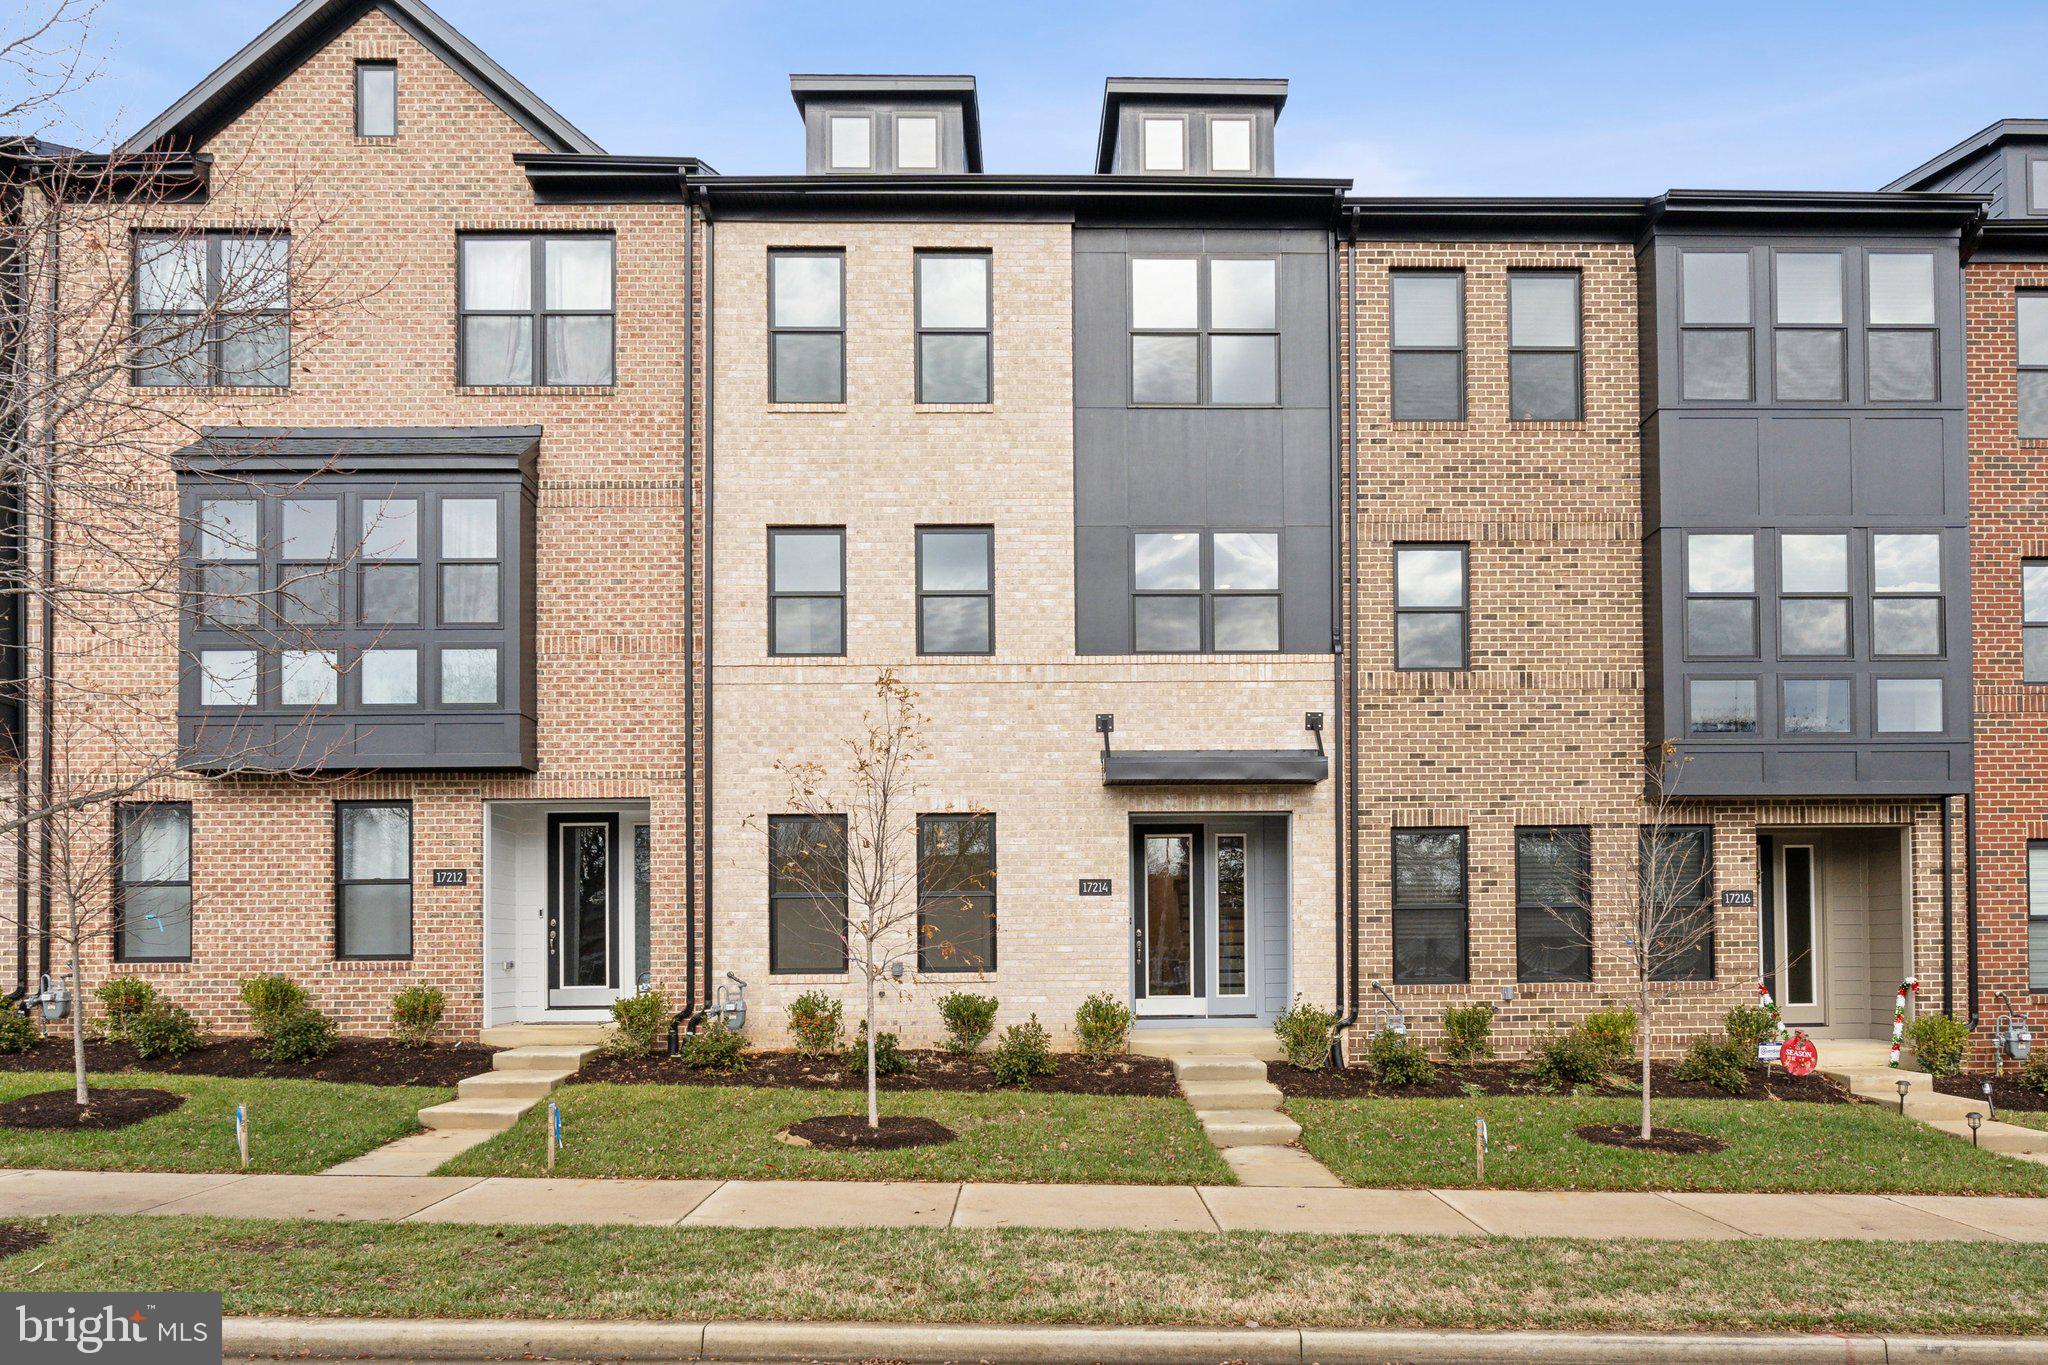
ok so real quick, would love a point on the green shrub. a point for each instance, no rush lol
(1938, 1042)
(17, 1034)
(1751, 1026)
(1467, 1032)
(815, 1020)
(1568, 1060)
(969, 1020)
(2034, 1075)
(1396, 1059)
(163, 1030)
(1612, 1033)
(715, 1048)
(1304, 1032)
(889, 1058)
(1103, 1027)
(637, 1023)
(1720, 1062)
(303, 1035)
(123, 998)
(416, 1013)
(1023, 1052)
(269, 999)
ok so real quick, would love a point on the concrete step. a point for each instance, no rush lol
(1232, 1094)
(529, 1035)
(1248, 1127)
(1885, 1080)
(510, 1085)
(495, 1115)
(1207, 1070)
(1996, 1137)
(539, 1058)
(1210, 1042)
(1282, 1167)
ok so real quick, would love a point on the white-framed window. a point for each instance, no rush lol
(850, 142)
(1163, 142)
(917, 142)
(1230, 144)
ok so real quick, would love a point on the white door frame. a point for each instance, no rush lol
(558, 826)
(1811, 1013)
(1246, 1003)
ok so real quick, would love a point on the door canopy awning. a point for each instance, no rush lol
(1213, 767)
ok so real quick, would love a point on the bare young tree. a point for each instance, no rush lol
(1664, 894)
(142, 294)
(873, 876)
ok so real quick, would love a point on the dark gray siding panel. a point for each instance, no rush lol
(1201, 468)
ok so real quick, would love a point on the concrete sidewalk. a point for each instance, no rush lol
(937, 1204)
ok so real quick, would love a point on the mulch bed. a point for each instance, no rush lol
(2006, 1090)
(357, 1061)
(1513, 1078)
(850, 1132)
(16, 1238)
(1675, 1140)
(110, 1107)
(931, 1070)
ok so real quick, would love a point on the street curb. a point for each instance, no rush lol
(932, 1344)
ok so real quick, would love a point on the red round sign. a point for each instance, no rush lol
(1800, 1056)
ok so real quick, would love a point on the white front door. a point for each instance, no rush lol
(1800, 933)
(584, 931)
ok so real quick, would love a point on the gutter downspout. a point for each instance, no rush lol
(710, 601)
(690, 788)
(46, 720)
(1948, 910)
(1970, 893)
(15, 645)
(1348, 793)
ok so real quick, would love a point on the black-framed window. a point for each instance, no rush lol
(1720, 706)
(1677, 868)
(806, 894)
(2037, 915)
(2034, 620)
(536, 311)
(956, 589)
(308, 562)
(376, 99)
(1716, 342)
(806, 327)
(1906, 595)
(1431, 923)
(1553, 903)
(1432, 607)
(1427, 354)
(807, 590)
(212, 309)
(2030, 326)
(1720, 595)
(1816, 706)
(153, 881)
(954, 338)
(1544, 346)
(1205, 591)
(373, 879)
(1809, 332)
(956, 893)
(1910, 706)
(1813, 595)
(1902, 345)
(1205, 330)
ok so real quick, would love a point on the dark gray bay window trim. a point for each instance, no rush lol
(1780, 328)
(987, 594)
(775, 598)
(931, 955)
(537, 311)
(1752, 597)
(1205, 593)
(838, 255)
(1395, 407)
(1462, 907)
(126, 813)
(341, 886)
(986, 331)
(209, 355)
(802, 898)
(1204, 333)
(1747, 330)
(1931, 330)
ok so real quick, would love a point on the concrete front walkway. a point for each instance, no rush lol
(945, 1204)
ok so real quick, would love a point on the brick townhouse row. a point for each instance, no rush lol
(1294, 582)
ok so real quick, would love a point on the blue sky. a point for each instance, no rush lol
(1446, 98)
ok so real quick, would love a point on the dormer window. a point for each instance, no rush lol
(853, 142)
(1230, 144)
(1166, 144)
(917, 142)
(376, 99)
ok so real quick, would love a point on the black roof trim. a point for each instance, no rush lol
(1981, 140)
(1678, 209)
(1234, 767)
(2018, 240)
(1310, 202)
(361, 450)
(275, 52)
(1115, 90)
(573, 178)
(1521, 219)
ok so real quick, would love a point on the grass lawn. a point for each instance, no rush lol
(293, 1125)
(685, 1131)
(2025, 1118)
(1809, 1147)
(389, 1270)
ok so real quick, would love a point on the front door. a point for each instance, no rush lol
(1799, 932)
(584, 938)
(1233, 946)
(1168, 922)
